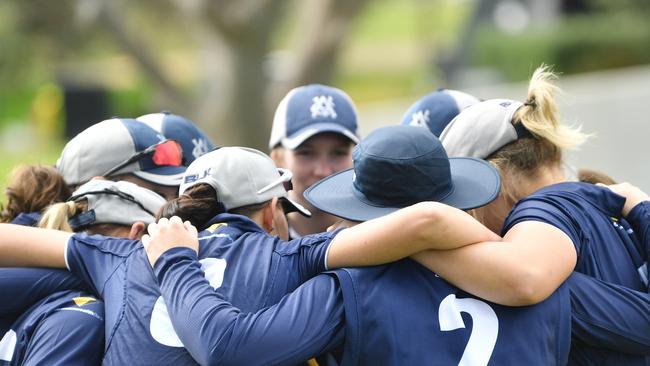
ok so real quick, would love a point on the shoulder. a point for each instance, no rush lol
(296, 245)
(115, 246)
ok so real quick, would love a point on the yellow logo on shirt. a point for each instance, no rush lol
(83, 300)
(214, 227)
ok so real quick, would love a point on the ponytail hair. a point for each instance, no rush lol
(526, 158)
(197, 205)
(539, 114)
(56, 216)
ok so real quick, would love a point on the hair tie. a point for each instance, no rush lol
(530, 103)
(71, 207)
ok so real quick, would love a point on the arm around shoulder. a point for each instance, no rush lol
(532, 261)
(32, 247)
(425, 225)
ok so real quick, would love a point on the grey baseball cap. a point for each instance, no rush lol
(241, 176)
(121, 203)
(104, 145)
(480, 130)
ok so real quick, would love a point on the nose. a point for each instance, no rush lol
(324, 168)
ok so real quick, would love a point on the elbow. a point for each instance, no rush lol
(529, 288)
(423, 216)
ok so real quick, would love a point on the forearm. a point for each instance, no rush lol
(525, 268)
(215, 332)
(22, 287)
(427, 225)
(22, 246)
(639, 219)
(486, 271)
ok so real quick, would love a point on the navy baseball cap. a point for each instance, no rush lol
(174, 127)
(397, 166)
(312, 109)
(434, 111)
(104, 145)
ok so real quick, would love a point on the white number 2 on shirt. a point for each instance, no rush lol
(485, 327)
(161, 328)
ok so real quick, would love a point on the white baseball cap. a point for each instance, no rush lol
(121, 203)
(241, 176)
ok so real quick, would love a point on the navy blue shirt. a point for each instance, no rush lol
(238, 260)
(41, 322)
(608, 250)
(65, 328)
(397, 314)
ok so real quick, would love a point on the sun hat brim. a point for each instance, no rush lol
(475, 184)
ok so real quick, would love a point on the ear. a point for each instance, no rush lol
(268, 214)
(277, 154)
(137, 230)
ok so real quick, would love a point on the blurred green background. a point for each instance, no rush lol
(225, 64)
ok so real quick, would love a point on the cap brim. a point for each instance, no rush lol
(476, 184)
(302, 135)
(290, 205)
(165, 175)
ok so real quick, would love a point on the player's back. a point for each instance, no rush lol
(402, 314)
(249, 267)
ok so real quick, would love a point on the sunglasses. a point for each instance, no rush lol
(167, 152)
(284, 179)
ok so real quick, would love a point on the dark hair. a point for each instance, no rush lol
(197, 205)
(32, 188)
(594, 176)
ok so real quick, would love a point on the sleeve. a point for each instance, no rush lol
(20, 288)
(639, 219)
(311, 251)
(304, 323)
(609, 316)
(95, 258)
(546, 211)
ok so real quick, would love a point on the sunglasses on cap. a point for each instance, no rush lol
(167, 152)
(284, 179)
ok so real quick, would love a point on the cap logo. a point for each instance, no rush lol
(420, 118)
(323, 106)
(200, 147)
(191, 178)
(505, 104)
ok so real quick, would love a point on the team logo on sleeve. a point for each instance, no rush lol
(161, 327)
(83, 300)
(215, 227)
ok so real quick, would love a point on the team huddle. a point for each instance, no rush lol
(457, 237)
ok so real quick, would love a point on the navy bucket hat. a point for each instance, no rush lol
(397, 166)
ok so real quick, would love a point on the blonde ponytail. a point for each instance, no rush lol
(56, 216)
(539, 114)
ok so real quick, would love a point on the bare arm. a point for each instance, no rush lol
(533, 259)
(22, 246)
(426, 225)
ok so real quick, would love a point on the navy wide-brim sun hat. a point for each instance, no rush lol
(398, 166)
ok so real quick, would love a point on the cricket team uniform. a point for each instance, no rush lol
(608, 250)
(65, 328)
(239, 260)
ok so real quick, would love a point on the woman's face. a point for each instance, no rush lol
(315, 159)
(494, 213)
